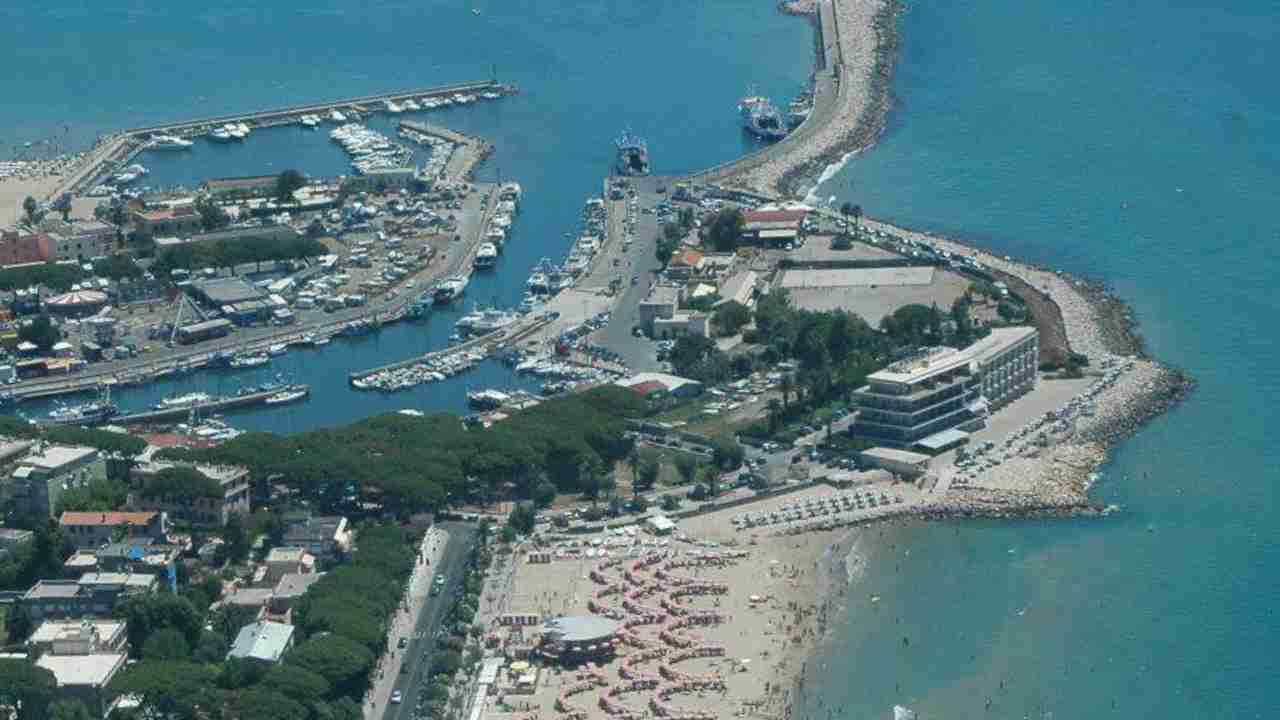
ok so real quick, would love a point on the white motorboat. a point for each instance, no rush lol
(250, 361)
(277, 349)
(486, 256)
(410, 105)
(309, 120)
(288, 395)
(169, 142)
(221, 135)
(337, 117)
(392, 106)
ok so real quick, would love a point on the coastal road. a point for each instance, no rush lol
(416, 658)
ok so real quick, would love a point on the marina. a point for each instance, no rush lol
(119, 149)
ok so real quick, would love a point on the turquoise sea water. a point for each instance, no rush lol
(1132, 142)
(1137, 143)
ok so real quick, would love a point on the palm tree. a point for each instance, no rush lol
(775, 411)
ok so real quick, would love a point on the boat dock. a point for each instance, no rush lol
(120, 148)
(214, 406)
(467, 153)
(485, 344)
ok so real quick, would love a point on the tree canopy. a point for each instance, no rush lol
(725, 230)
(40, 331)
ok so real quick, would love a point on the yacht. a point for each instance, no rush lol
(250, 361)
(410, 105)
(288, 395)
(221, 135)
(486, 256)
(174, 402)
(310, 121)
(451, 289)
(277, 349)
(486, 320)
(169, 142)
(392, 106)
(337, 117)
(761, 118)
(487, 399)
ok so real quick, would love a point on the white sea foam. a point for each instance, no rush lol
(828, 172)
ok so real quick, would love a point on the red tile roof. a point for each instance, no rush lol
(647, 388)
(113, 519)
(687, 258)
(774, 215)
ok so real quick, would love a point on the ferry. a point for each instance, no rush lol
(288, 395)
(633, 155)
(169, 142)
(486, 256)
(250, 361)
(761, 118)
(451, 289)
(92, 413)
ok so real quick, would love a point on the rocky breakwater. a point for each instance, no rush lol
(858, 46)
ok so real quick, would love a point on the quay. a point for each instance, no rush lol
(468, 151)
(120, 148)
(485, 343)
(223, 404)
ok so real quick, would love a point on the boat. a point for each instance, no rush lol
(288, 395)
(761, 118)
(310, 121)
(321, 341)
(486, 320)
(277, 349)
(799, 110)
(486, 256)
(175, 402)
(392, 106)
(337, 117)
(356, 328)
(92, 413)
(487, 399)
(410, 105)
(169, 142)
(250, 361)
(221, 135)
(633, 155)
(530, 303)
(450, 289)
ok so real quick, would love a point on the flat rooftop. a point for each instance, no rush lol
(51, 630)
(938, 360)
(902, 456)
(84, 670)
(858, 277)
(53, 457)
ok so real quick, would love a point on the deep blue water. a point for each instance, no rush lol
(587, 71)
(1138, 143)
(1132, 142)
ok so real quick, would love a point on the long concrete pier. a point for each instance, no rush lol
(486, 343)
(121, 147)
(230, 403)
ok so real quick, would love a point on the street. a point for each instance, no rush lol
(408, 670)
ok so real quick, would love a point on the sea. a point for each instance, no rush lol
(1133, 143)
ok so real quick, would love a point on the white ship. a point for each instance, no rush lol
(174, 402)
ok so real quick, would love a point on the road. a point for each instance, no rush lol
(639, 261)
(413, 662)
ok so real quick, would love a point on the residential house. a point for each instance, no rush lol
(286, 560)
(264, 641)
(79, 637)
(85, 678)
(91, 529)
(195, 508)
(291, 587)
(79, 239)
(17, 248)
(166, 221)
(94, 594)
(327, 537)
(48, 470)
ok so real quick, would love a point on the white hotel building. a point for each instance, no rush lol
(917, 402)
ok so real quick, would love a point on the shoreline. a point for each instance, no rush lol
(1090, 320)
